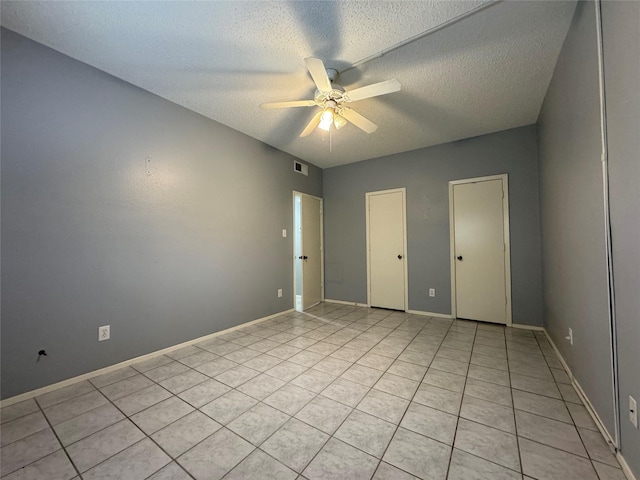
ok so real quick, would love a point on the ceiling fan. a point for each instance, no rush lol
(333, 99)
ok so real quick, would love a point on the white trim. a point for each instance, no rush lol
(527, 327)
(507, 251)
(583, 396)
(405, 263)
(70, 381)
(321, 248)
(429, 314)
(343, 302)
(626, 469)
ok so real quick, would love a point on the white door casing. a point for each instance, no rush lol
(386, 249)
(312, 268)
(480, 260)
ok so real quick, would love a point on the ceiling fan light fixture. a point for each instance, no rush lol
(339, 121)
(326, 119)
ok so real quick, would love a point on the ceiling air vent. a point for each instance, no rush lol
(301, 168)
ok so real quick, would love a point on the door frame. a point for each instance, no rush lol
(367, 196)
(293, 245)
(507, 250)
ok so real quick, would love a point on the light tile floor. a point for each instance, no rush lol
(338, 392)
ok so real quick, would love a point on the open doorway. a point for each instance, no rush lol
(307, 250)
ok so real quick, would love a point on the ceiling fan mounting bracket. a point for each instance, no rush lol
(332, 73)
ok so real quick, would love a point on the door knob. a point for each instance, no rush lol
(399, 257)
(460, 257)
(304, 257)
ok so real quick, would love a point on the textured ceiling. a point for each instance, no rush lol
(487, 72)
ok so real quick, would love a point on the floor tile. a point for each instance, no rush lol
(258, 423)
(216, 367)
(17, 410)
(183, 381)
(306, 358)
(289, 399)
(180, 436)
(263, 362)
(430, 422)
(263, 345)
(324, 414)
(451, 366)
(172, 471)
(490, 351)
(375, 361)
(366, 432)
(229, 406)
(285, 352)
(313, 380)
(491, 444)
(332, 366)
(490, 375)
(135, 463)
(569, 393)
(52, 467)
(488, 413)
(541, 405)
(489, 392)
(242, 355)
(453, 354)
(597, 448)
(541, 461)
(113, 377)
(301, 342)
(126, 387)
(581, 416)
(286, 371)
(407, 370)
(607, 472)
(183, 352)
(395, 385)
(96, 448)
(237, 376)
(449, 381)
(62, 394)
(196, 359)
(534, 385)
(338, 461)
(87, 424)
(348, 354)
(166, 371)
(383, 405)
(363, 375)
(261, 386)
(74, 407)
(465, 466)
(204, 393)
(22, 427)
(295, 444)
(418, 455)
(161, 414)
(438, 398)
(23, 452)
(549, 432)
(260, 466)
(418, 357)
(389, 472)
(214, 457)
(344, 391)
(246, 340)
(488, 361)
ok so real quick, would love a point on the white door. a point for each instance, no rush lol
(311, 210)
(480, 251)
(386, 249)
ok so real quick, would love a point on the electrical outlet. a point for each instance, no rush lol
(104, 333)
(633, 411)
(284, 233)
(279, 292)
(432, 292)
(570, 337)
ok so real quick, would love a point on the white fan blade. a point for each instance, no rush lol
(374, 90)
(315, 121)
(358, 120)
(296, 103)
(318, 73)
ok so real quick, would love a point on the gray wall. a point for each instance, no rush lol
(621, 23)
(88, 238)
(425, 173)
(572, 212)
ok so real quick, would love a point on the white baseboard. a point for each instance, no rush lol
(342, 302)
(70, 381)
(429, 314)
(527, 327)
(591, 410)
